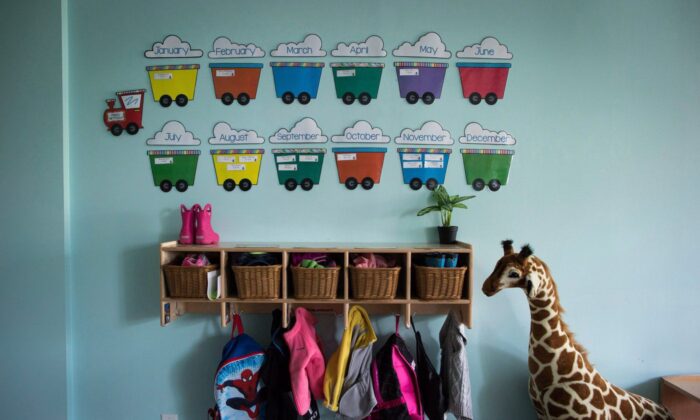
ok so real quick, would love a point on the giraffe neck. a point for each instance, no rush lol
(553, 352)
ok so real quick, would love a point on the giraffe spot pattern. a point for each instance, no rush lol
(542, 354)
(565, 363)
(544, 378)
(581, 390)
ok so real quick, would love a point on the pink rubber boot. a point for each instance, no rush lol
(205, 235)
(188, 227)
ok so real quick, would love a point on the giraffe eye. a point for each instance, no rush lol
(514, 275)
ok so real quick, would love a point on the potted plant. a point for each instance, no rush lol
(445, 203)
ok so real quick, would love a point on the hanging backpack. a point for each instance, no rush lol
(395, 382)
(428, 381)
(236, 380)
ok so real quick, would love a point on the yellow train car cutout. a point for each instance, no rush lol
(173, 82)
(237, 167)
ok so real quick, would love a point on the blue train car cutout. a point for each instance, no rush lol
(298, 80)
(424, 166)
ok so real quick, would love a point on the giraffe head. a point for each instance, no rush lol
(522, 270)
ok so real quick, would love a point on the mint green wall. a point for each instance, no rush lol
(603, 99)
(32, 280)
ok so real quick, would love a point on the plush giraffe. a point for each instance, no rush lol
(563, 384)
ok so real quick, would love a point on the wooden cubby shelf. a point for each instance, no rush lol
(404, 304)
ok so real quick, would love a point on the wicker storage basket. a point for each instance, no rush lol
(374, 283)
(257, 282)
(187, 282)
(315, 283)
(439, 283)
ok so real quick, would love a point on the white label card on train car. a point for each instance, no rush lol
(225, 159)
(288, 158)
(247, 158)
(412, 165)
(308, 158)
(237, 167)
(347, 156)
(287, 167)
(431, 133)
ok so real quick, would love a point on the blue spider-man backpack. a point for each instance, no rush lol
(236, 381)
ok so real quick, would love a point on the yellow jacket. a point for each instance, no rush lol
(358, 321)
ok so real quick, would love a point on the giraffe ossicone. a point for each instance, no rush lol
(563, 383)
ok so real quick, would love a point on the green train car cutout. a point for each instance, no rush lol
(299, 167)
(173, 167)
(487, 167)
(357, 81)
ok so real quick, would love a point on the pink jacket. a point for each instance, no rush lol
(306, 364)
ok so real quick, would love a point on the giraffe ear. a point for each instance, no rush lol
(525, 252)
(507, 247)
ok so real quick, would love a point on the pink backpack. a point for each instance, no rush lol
(395, 382)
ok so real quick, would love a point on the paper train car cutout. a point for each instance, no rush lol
(357, 81)
(299, 167)
(235, 81)
(298, 80)
(420, 80)
(173, 167)
(423, 166)
(359, 166)
(173, 82)
(237, 167)
(487, 167)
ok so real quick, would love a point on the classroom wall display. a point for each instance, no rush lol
(361, 132)
(128, 116)
(429, 45)
(223, 47)
(373, 46)
(173, 133)
(484, 80)
(357, 80)
(487, 167)
(172, 47)
(223, 134)
(359, 166)
(237, 81)
(173, 82)
(474, 133)
(430, 133)
(298, 167)
(237, 167)
(311, 46)
(424, 166)
(305, 131)
(173, 167)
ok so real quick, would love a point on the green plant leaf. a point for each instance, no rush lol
(428, 210)
(460, 206)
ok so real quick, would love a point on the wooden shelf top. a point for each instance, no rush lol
(173, 246)
(686, 384)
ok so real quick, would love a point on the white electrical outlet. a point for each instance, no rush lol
(168, 417)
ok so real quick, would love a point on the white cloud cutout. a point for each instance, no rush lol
(309, 47)
(362, 132)
(224, 134)
(431, 133)
(373, 46)
(304, 131)
(429, 45)
(172, 47)
(474, 133)
(173, 133)
(224, 48)
(488, 48)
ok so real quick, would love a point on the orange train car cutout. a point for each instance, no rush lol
(359, 166)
